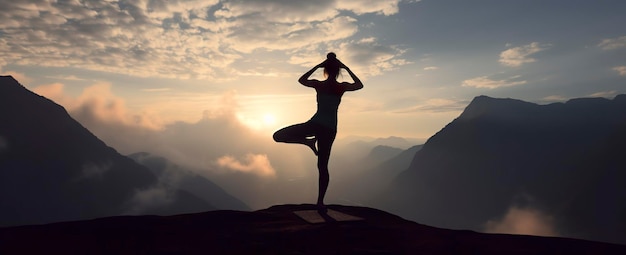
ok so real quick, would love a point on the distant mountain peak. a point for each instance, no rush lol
(8, 84)
(484, 105)
(10, 87)
(7, 77)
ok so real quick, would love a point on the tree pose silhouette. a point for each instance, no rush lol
(321, 129)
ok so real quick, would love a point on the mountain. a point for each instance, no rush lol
(361, 169)
(355, 148)
(563, 159)
(380, 154)
(276, 230)
(391, 141)
(395, 165)
(184, 179)
(377, 173)
(53, 169)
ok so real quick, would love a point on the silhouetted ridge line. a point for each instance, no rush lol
(488, 106)
(53, 169)
(564, 160)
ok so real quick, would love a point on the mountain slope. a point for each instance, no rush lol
(276, 230)
(380, 154)
(184, 179)
(563, 159)
(376, 175)
(53, 169)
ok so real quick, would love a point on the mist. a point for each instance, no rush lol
(523, 221)
(247, 163)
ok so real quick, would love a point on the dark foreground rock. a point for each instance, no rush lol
(276, 230)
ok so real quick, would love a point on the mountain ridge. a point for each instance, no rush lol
(54, 169)
(562, 159)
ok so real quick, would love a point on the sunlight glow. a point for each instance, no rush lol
(259, 121)
(269, 119)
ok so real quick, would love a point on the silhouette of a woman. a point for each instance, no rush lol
(322, 127)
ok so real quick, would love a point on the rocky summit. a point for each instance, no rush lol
(276, 230)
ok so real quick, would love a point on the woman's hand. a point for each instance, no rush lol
(341, 65)
(321, 65)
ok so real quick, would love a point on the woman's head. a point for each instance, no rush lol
(331, 66)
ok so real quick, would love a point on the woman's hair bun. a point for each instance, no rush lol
(331, 55)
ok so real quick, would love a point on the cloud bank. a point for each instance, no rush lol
(218, 146)
(175, 38)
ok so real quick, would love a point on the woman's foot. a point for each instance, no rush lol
(311, 143)
(321, 208)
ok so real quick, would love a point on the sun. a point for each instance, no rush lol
(269, 119)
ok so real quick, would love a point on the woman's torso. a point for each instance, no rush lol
(328, 100)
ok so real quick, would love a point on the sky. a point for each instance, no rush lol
(422, 61)
(205, 83)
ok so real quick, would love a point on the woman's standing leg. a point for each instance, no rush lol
(324, 142)
(298, 133)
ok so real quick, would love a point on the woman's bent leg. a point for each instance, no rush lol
(298, 133)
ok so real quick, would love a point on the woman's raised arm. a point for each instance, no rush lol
(357, 82)
(304, 79)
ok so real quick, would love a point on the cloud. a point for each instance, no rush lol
(55, 92)
(621, 70)
(555, 98)
(252, 163)
(523, 221)
(385, 7)
(279, 10)
(183, 39)
(430, 68)
(218, 129)
(66, 77)
(517, 56)
(253, 35)
(613, 43)
(436, 105)
(98, 102)
(486, 82)
(370, 57)
(605, 94)
(151, 198)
